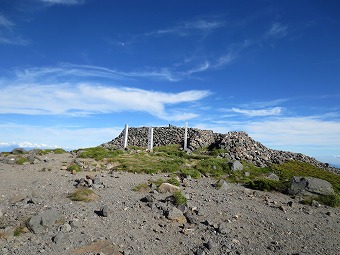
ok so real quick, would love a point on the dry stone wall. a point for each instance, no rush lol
(236, 145)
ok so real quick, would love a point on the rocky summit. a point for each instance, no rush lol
(94, 202)
(235, 145)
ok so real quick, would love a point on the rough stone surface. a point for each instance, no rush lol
(177, 215)
(42, 221)
(236, 166)
(309, 185)
(167, 187)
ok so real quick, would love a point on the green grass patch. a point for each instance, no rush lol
(214, 167)
(20, 230)
(267, 185)
(194, 173)
(99, 153)
(173, 181)
(74, 167)
(180, 199)
(21, 161)
(142, 187)
(83, 194)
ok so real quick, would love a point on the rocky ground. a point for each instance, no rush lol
(230, 220)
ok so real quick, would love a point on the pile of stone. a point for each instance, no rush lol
(89, 182)
(236, 145)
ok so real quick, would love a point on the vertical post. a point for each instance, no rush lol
(126, 130)
(150, 139)
(185, 147)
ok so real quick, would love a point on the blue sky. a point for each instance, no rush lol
(73, 72)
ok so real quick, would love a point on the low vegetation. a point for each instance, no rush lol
(179, 198)
(171, 159)
(74, 167)
(83, 194)
(142, 187)
(21, 160)
(55, 151)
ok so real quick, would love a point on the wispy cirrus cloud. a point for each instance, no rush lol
(277, 30)
(63, 2)
(259, 112)
(66, 71)
(5, 22)
(56, 97)
(8, 34)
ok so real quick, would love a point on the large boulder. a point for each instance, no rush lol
(44, 220)
(237, 166)
(310, 186)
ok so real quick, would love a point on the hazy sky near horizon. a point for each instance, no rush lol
(73, 72)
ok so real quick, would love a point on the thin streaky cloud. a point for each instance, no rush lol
(6, 23)
(277, 30)
(63, 2)
(66, 70)
(187, 28)
(261, 112)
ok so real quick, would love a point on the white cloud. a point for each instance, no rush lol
(187, 28)
(65, 2)
(261, 112)
(277, 30)
(6, 23)
(84, 99)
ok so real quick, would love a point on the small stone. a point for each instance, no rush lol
(104, 211)
(222, 229)
(65, 228)
(315, 203)
(222, 185)
(176, 215)
(167, 187)
(58, 237)
(210, 245)
(329, 213)
(200, 251)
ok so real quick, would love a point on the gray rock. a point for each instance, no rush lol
(177, 215)
(309, 186)
(58, 237)
(104, 211)
(18, 151)
(167, 187)
(237, 166)
(222, 184)
(65, 228)
(222, 228)
(42, 221)
(273, 177)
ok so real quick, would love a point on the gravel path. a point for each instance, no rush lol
(234, 220)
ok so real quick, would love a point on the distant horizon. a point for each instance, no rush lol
(73, 72)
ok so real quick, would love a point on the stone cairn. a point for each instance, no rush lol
(235, 145)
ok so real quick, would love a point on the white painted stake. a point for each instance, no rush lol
(150, 139)
(185, 147)
(126, 131)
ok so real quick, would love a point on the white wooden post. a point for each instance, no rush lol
(150, 139)
(185, 147)
(126, 131)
